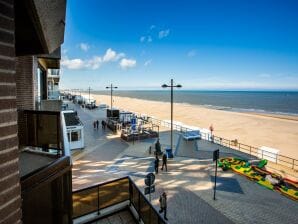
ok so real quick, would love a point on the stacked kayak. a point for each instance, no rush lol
(263, 177)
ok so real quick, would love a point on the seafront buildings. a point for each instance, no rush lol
(35, 184)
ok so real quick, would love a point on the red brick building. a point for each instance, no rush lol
(31, 33)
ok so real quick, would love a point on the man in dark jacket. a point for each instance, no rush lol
(156, 164)
(164, 162)
(163, 204)
(157, 147)
(97, 123)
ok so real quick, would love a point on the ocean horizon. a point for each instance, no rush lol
(275, 102)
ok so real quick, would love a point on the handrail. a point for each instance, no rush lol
(160, 219)
(91, 197)
(99, 184)
(293, 163)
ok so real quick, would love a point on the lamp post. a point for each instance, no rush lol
(112, 87)
(172, 87)
(89, 89)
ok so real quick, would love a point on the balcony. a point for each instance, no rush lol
(53, 73)
(45, 168)
(99, 201)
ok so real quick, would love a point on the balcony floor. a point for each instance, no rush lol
(122, 217)
(30, 162)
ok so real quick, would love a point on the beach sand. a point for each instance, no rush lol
(275, 131)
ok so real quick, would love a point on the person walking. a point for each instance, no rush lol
(164, 162)
(97, 123)
(157, 147)
(94, 124)
(156, 164)
(163, 205)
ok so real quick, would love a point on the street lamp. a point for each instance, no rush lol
(112, 87)
(171, 86)
(89, 89)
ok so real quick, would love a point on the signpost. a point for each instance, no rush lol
(215, 158)
(149, 181)
(149, 190)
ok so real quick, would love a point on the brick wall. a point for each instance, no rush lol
(25, 81)
(10, 199)
(26, 90)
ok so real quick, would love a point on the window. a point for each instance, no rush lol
(75, 136)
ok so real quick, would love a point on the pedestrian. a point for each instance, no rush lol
(164, 162)
(102, 125)
(94, 124)
(163, 204)
(157, 147)
(97, 123)
(156, 163)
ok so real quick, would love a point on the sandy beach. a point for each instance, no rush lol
(276, 131)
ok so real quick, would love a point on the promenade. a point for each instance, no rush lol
(188, 182)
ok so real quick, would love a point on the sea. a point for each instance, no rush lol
(273, 102)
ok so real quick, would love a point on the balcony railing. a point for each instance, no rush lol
(95, 199)
(41, 131)
(235, 145)
(53, 72)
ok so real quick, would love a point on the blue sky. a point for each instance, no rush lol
(206, 45)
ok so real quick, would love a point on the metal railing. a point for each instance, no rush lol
(250, 150)
(98, 197)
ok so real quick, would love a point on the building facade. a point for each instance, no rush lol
(31, 33)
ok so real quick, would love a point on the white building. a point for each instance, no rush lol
(74, 130)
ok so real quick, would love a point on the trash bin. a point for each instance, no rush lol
(169, 153)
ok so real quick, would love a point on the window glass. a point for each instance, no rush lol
(75, 136)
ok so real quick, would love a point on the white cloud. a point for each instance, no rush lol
(72, 63)
(84, 46)
(111, 55)
(148, 62)
(142, 39)
(77, 63)
(192, 53)
(96, 61)
(147, 39)
(163, 33)
(127, 63)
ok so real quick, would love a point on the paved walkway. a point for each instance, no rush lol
(188, 182)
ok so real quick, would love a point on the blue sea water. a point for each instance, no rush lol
(247, 101)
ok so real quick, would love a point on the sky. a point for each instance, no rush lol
(204, 45)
